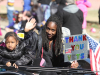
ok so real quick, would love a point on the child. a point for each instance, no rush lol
(14, 53)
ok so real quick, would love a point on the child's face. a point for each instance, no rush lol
(11, 43)
(51, 30)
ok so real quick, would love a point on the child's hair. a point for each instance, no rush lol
(13, 34)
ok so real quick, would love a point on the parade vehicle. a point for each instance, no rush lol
(83, 69)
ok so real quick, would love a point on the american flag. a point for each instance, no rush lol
(94, 55)
(68, 50)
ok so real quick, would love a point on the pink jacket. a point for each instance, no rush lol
(83, 7)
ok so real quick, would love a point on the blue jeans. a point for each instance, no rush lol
(46, 11)
(10, 16)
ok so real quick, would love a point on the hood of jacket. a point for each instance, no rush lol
(71, 8)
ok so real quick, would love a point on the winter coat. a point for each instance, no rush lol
(33, 40)
(27, 54)
(54, 61)
(83, 7)
(21, 55)
(72, 18)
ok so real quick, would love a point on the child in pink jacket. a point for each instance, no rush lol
(83, 5)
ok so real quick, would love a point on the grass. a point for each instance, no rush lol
(95, 26)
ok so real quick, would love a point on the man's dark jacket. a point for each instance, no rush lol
(72, 18)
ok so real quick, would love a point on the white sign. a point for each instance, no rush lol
(75, 47)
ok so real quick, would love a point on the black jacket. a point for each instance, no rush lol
(62, 2)
(20, 56)
(26, 52)
(54, 61)
(33, 40)
(72, 18)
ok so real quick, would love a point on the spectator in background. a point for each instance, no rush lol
(34, 9)
(45, 5)
(26, 6)
(83, 5)
(10, 9)
(25, 19)
(61, 2)
(57, 4)
(72, 17)
(15, 25)
(34, 2)
(53, 7)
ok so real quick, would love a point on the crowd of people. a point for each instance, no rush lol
(43, 34)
